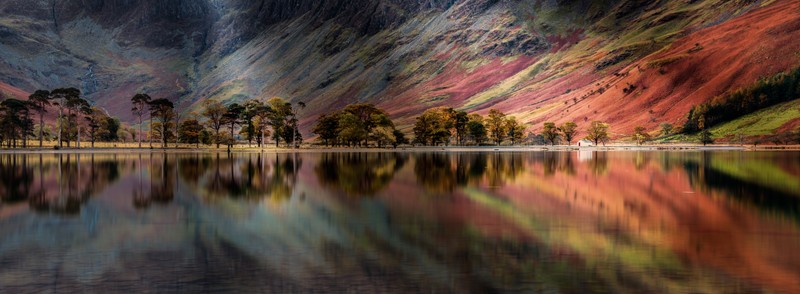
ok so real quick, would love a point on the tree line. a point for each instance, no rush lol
(358, 125)
(254, 120)
(21, 119)
(77, 119)
(364, 125)
(436, 126)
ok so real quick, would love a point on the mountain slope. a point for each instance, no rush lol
(539, 60)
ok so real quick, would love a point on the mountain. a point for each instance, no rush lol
(626, 62)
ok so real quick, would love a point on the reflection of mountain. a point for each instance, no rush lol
(512, 222)
(359, 174)
(711, 173)
(638, 208)
(620, 212)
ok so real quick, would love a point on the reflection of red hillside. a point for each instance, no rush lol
(633, 197)
(664, 210)
(612, 196)
(456, 211)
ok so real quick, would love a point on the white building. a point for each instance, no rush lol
(585, 143)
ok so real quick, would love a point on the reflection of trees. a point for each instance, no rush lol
(16, 178)
(504, 167)
(558, 162)
(442, 173)
(436, 172)
(76, 181)
(193, 166)
(667, 161)
(470, 167)
(641, 159)
(223, 181)
(599, 163)
(251, 176)
(277, 183)
(140, 197)
(162, 181)
(359, 174)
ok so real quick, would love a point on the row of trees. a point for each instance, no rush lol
(438, 126)
(276, 118)
(598, 133)
(76, 118)
(358, 125)
(19, 119)
(254, 119)
(364, 124)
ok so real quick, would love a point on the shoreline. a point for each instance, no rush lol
(272, 149)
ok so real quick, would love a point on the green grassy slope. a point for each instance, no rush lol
(763, 122)
(766, 122)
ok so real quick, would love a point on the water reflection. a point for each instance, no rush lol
(16, 179)
(250, 176)
(155, 180)
(561, 162)
(54, 184)
(444, 172)
(770, 186)
(358, 174)
(401, 222)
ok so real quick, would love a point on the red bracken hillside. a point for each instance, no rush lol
(7, 91)
(694, 69)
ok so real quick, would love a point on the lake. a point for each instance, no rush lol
(470, 222)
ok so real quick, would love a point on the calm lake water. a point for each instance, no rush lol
(565, 222)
